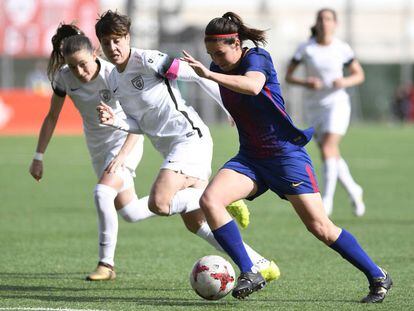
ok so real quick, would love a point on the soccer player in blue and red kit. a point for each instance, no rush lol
(271, 155)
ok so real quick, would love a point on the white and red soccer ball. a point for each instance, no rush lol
(212, 277)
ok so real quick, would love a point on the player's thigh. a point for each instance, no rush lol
(310, 209)
(112, 180)
(167, 184)
(229, 186)
(330, 145)
(331, 139)
(124, 197)
(308, 206)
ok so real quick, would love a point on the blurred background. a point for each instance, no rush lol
(381, 32)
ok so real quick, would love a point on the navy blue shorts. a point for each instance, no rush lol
(286, 174)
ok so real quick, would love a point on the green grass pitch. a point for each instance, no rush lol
(48, 234)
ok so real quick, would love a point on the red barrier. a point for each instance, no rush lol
(22, 113)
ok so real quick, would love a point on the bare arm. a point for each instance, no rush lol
(182, 71)
(251, 83)
(356, 76)
(309, 82)
(109, 118)
(126, 149)
(46, 132)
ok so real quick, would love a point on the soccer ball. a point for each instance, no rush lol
(212, 277)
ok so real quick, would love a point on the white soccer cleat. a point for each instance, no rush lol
(328, 206)
(268, 269)
(358, 202)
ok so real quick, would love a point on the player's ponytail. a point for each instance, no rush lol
(56, 59)
(314, 31)
(229, 27)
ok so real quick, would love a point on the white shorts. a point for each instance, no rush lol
(333, 118)
(192, 158)
(101, 162)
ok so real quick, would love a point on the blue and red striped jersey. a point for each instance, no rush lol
(265, 129)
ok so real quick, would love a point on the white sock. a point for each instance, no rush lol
(205, 233)
(329, 177)
(185, 201)
(345, 177)
(107, 222)
(136, 210)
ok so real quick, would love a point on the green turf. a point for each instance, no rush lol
(48, 234)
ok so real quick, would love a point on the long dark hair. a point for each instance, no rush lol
(76, 43)
(314, 29)
(231, 23)
(56, 59)
(112, 23)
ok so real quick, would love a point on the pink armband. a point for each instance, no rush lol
(172, 72)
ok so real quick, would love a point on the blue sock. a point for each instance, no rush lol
(229, 238)
(347, 246)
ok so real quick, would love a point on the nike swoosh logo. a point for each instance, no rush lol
(296, 184)
(116, 90)
(75, 89)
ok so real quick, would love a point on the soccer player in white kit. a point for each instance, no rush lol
(114, 154)
(145, 83)
(327, 104)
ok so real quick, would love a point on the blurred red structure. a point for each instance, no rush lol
(26, 27)
(22, 113)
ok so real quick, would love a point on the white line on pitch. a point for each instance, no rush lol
(46, 309)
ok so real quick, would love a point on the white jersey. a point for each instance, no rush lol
(154, 102)
(325, 62)
(103, 142)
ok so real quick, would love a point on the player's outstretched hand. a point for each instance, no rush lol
(36, 169)
(106, 114)
(198, 67)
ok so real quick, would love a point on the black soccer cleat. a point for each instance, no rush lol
(247, 283)
(378, 289)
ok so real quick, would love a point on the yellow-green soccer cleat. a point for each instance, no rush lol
(102, 273)
(270, 271)
(240, 212)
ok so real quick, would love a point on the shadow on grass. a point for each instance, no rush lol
(41, 275)
(40, 288)
(108, 294)
(149, 301)
(167, 301)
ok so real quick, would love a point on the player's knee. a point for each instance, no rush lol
(159, 205)
(103, 193)
(206, 201)
(329, 151)
(209, 202)
(320, 230)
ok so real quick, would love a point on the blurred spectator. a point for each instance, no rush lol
(37, 80)
(403, 103)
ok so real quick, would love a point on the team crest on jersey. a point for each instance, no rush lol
(105, 95)
(138, 82)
